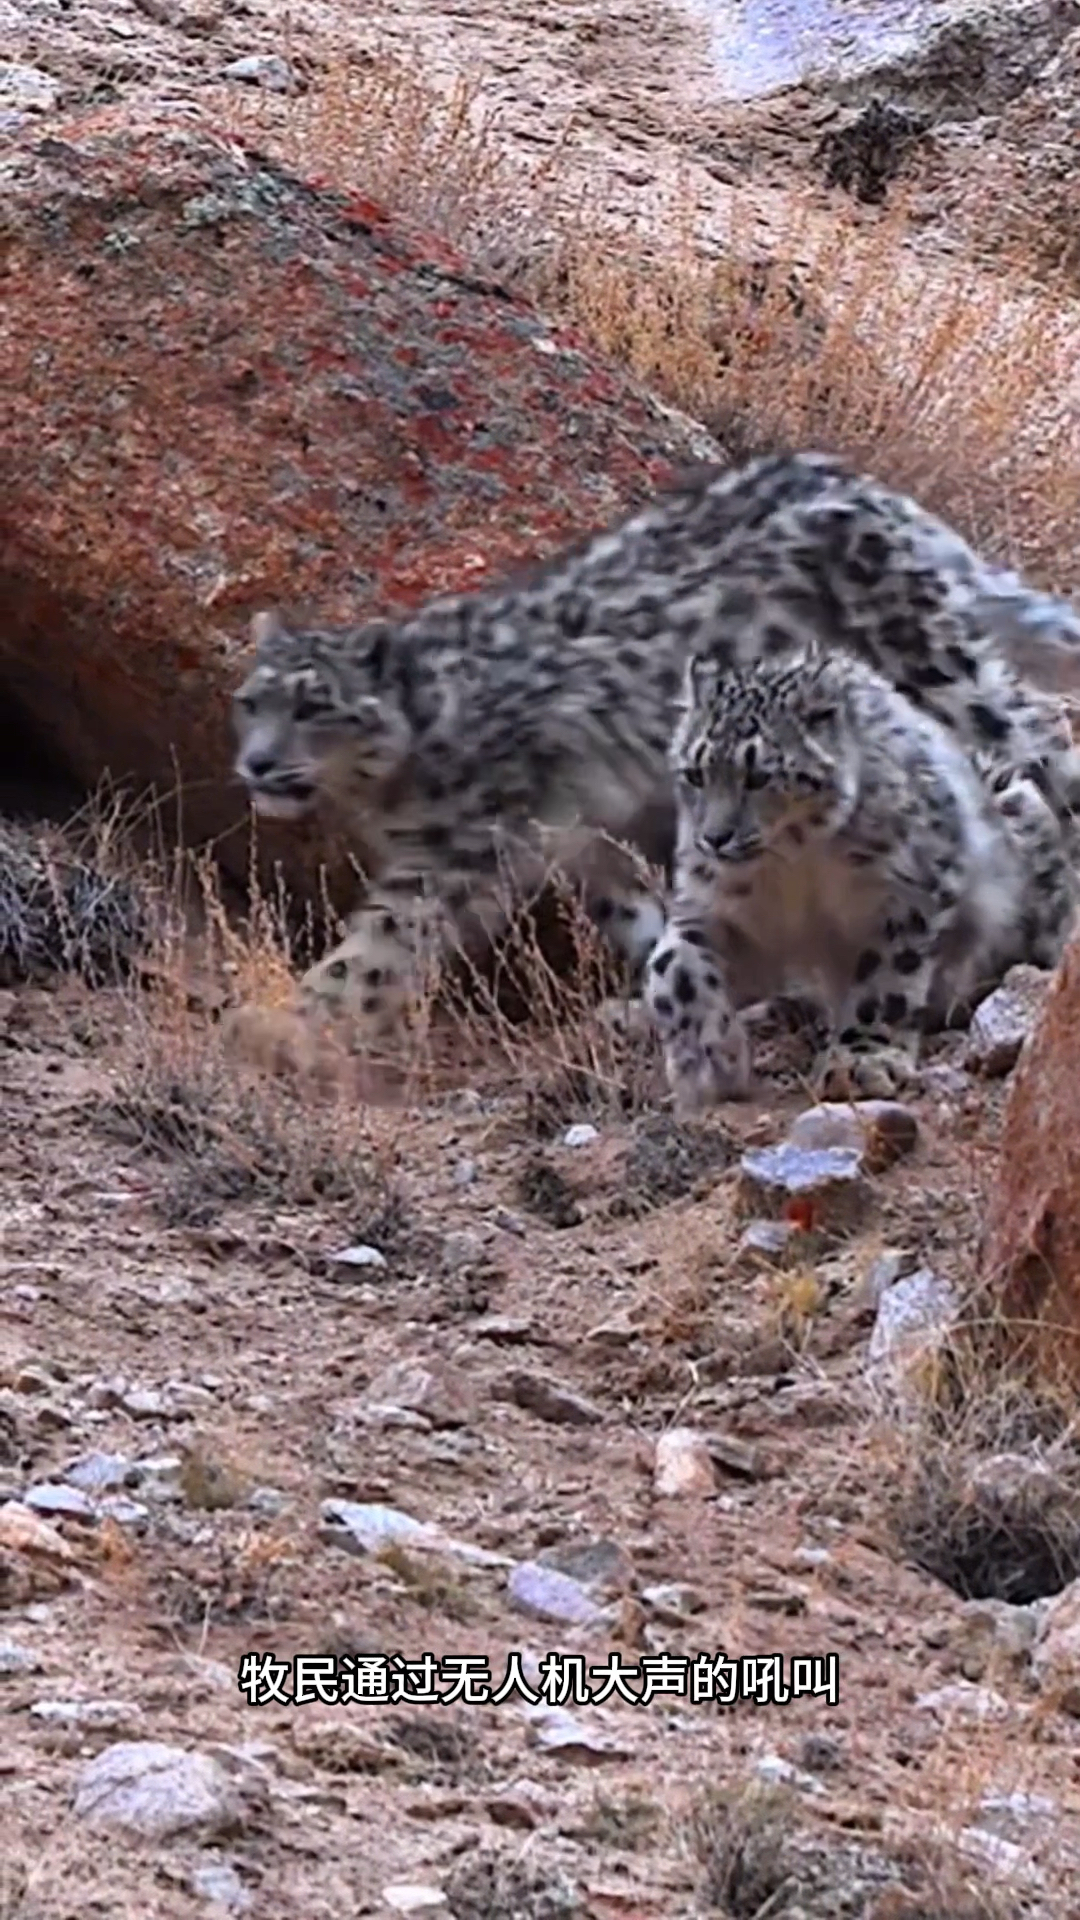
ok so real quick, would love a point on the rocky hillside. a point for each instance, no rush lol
(445, 1482)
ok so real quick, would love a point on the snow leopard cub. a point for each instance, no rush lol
(838, 843)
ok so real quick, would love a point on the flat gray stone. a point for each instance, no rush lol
(550, 1595)
(601, 1566)
(1002, 1022)
(26, 89)
(360, 1256)
(60, 1503)
(879, 1131)
(826, 1184)
(438, 1391)
(98, 1472)
(267, 70)
(363, 1528)
(156, 1791)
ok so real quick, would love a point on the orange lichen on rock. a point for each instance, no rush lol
(225, 387)
(1030, 1257)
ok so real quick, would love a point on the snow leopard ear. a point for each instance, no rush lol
(266, 626)
(377, 656)
(702, 681)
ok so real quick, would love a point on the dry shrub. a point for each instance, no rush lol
(72, 898)
(952, 386)
(225, 1131)
(758, 1855)
(498, 1887)
(985, 1494)
(377, 122)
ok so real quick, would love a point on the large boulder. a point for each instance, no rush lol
(226, 387)
(1031, 1251)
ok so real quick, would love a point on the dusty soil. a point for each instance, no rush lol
(170, 1298)
(212, 1345)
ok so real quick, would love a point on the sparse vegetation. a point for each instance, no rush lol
(759, 1857)
(71, 901)
(988, 1494)
(494, 1888)
(944, 378)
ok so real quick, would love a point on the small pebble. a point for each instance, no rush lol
(683, 1463)
(764, 1243)
(263, 70)
(60, 1503)
(359, 1256)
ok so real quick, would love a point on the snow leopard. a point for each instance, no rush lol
(837, 843)
(489, 736)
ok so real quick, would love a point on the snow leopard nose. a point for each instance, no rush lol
(714, 842)
(257, 766)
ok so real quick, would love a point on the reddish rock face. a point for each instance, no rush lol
(1031, 1253)
(224, 387)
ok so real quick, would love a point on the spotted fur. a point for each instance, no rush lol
(837, 843)
(488, 734)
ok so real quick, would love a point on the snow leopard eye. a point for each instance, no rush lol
(752, 770)
(692, 776)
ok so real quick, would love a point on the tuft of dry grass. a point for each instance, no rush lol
(432, 155)
(543, 1007)
(986, 1493)
(224, 1130)
(758, 1855)
(72, 898)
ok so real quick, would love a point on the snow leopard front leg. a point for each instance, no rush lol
(1051, 881)
(415, 919)
(397, 943)
(882, 1018)
(706, 1049)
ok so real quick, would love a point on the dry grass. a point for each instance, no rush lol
(543, 1005)
(986, 1492)
(841, 331)
(758, 1855)
(433, 157)
(72, 900)
(224, 1130)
